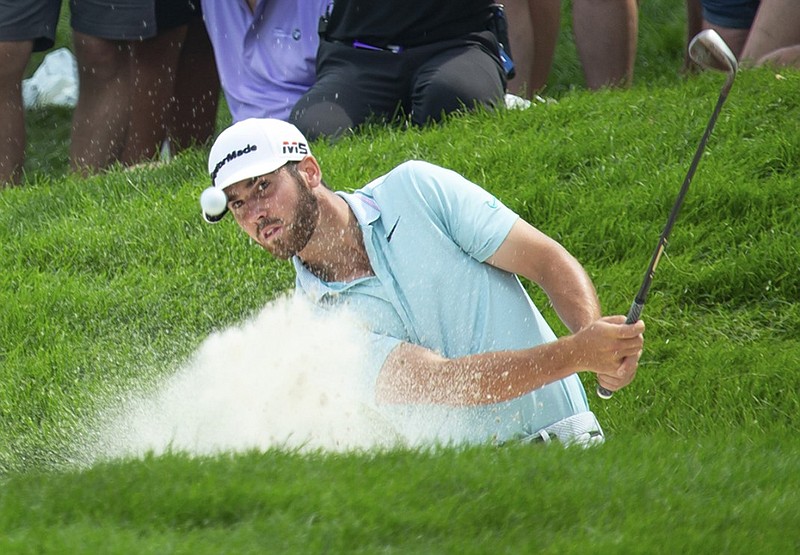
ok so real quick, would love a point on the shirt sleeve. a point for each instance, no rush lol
(378, 348)
(474, 219)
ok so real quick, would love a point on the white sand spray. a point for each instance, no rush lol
(288, 378)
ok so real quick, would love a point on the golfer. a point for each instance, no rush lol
(429, 262)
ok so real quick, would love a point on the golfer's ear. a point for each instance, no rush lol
(309, 167)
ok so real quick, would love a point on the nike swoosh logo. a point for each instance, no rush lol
(492, 203)
(391, 231)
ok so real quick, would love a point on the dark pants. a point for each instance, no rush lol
(356, 85)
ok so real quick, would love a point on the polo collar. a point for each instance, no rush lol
(367, 212)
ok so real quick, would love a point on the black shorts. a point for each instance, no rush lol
(37, 20)
(114, 19)
(734, 14)
(174, 13)
(34, 20)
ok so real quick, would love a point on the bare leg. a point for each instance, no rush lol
(782, 57)
(193, 118)
(520, 34)
(534, 26)
(606, 37)
(546, 16)
(694, 24)
(734, 38)
(100, 120)
(776, 26)
(153, 68)
(14, 56)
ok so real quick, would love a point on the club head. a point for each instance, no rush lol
(708, 50)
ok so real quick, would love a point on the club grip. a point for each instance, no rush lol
(604, 393)
(635, 312)
(633, 316)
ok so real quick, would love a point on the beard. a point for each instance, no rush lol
(300, 227)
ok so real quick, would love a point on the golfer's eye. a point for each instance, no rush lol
(236, 205)
(261, 185)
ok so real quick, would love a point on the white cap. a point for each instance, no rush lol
(246, 149)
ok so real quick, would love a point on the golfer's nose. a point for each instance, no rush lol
(256, 209)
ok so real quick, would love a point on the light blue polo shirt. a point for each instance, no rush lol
(427, 231)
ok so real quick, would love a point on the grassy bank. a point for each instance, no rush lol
(115, 280)
(110, 284)
(697, 495)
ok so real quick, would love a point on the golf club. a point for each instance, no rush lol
(709, 51)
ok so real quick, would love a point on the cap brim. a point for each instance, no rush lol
(250, 171)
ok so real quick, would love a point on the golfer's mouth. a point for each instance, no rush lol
(270, 231)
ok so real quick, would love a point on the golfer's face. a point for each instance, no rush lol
(276, 209)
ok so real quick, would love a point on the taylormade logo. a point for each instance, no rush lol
(232, 156)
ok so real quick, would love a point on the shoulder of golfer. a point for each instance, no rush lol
(483, 227)
(528, 252)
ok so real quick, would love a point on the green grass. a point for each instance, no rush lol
(698, 496)
(112, 282)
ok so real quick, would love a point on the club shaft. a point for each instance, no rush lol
(637, 307)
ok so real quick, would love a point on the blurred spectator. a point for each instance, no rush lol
(266, 52)
(102, 38)
(392, 60)
(101, 35)
(14, 56)
(534, 27)
(694, 24)
(605, 36)
(175, 82)
(193, 114)
(732, 19)
(757, 32)
(122, 90)
(774, 37)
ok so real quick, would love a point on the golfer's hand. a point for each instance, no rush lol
(611, 349)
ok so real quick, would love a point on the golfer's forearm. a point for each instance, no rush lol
(573, 296)
(506, 375)
(414, 375)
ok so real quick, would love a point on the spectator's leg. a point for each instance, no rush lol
(776, 27)
(520, 34)
(193, 118)
(782, 57)
(153, 67)
(731, 20)
(100, 120)
(533, 28)
(353, 86)
(546, 15)
(14, 57)
(319, 114)
(694, 24)
(456, 78)
(606, 37)
(734, 38)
